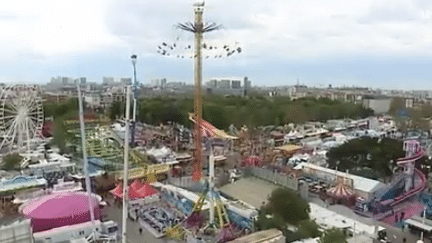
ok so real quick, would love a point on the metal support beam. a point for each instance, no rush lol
(198, 9)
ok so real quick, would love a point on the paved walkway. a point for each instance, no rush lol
(115, 214)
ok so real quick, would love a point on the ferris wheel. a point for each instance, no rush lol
(21, 117)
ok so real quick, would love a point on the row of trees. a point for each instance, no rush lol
(60, 112)
(286, 207)
(417, 117)
(256, 111)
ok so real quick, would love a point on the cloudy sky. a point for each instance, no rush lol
(374, 43)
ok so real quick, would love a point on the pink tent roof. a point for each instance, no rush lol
(137, 184)
(61, 209)
(147, 190)
(57, 205)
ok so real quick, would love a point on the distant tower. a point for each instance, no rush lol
(246, 85)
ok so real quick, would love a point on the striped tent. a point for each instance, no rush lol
(340, 191)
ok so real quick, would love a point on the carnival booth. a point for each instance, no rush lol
(252, 161)
(139, 193)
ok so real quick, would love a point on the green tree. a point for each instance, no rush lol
(397, 104)
(266, 221)
(362, 154)
(115, 110)
(333, 235)
(309, 229)
(60, 135)
(12, 161)
(288, 204)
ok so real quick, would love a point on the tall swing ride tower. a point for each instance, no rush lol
(198, 28)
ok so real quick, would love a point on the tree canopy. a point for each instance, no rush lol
(417, 117)
(309, 229)
(333, 235)
(288, 205)
(363, 155)
(253, 111)
(115, 111)
(266, 221)
(12, 161)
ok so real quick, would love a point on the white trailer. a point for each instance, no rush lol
(108, 229)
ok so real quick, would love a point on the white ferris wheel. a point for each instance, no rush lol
(21, 117)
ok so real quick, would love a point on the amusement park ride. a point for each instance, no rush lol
(21, 118)
(409, 183)
(221, 220)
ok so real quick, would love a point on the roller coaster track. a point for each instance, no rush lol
(139, 160)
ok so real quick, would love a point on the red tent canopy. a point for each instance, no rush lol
(147, 190)
(118, 192)
(137, 185)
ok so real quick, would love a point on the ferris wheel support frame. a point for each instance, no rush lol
(21, 117)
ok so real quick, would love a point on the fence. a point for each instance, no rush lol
(17, 232)
(278, 178)
(185, 182)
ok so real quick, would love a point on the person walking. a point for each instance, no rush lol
(140, 231)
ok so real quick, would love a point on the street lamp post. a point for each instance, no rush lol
(134, 60)
(424, 217)
(126, 168)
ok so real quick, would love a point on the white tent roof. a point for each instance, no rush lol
(329, 219)
(360, 183)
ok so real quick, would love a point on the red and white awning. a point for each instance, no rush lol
(340, 191)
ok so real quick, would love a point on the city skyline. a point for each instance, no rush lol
(380, 45)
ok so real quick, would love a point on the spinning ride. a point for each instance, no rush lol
(21, 117)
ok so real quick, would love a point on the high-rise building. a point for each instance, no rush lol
(126, 81)
(247, 84)
(224, 84)
(235, 84)
(108, 80)
(163, 82)
(83, 80)
(212, 83)
(65, 80)
(155, 83)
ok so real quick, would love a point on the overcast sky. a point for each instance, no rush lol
(374, 43)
